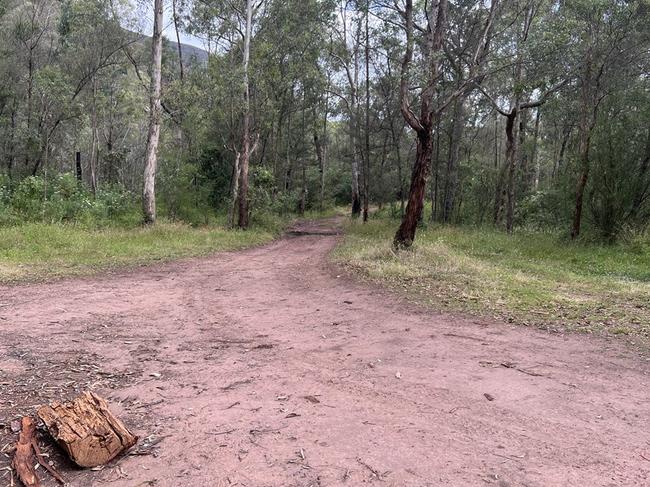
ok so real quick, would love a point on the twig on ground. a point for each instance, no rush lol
(232, 385)
(222, 432)
(374, 471)
(44, 464)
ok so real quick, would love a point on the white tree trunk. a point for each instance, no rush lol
(153, 136)
(246, 136)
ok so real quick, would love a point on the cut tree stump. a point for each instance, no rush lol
(87, 430)
(23, 461)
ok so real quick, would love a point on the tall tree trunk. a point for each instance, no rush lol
(94, 149)
(500, 194)
(321, 166)
(534, 160)
(153, 136)
(289, 169)
(234, 189)
(380, 176)
(78, 167)
(512, 142)
(451, 180)
(588, 113)
(245, 152)
(323, 147)
(12, 142)
(30, 91)
(422, 124)
(366, 171)
(643, 185)
(303, 191)
(496, 140)
(436, 169)
(559, 163)
(356, 197)
(178, 40)
(523, 160)
(396, 140)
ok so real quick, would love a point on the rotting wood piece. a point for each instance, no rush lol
(86, 429)
(23, 461)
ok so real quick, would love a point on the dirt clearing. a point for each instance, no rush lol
(265, 368)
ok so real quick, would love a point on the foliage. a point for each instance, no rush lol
(74, 79)
(61, 199)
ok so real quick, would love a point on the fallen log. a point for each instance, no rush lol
(23, 462)
(86, 430)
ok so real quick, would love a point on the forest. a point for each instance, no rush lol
(324, 242)
(514, 114)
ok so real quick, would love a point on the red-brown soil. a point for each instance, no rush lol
(265, 368)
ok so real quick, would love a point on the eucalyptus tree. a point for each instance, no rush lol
(611, 39)
(220, 21)
(433, 102)
(345, 52)
(155, 109)
(467, 34)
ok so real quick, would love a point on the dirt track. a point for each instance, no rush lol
(265, 368)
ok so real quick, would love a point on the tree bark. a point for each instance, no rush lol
(178, 40)
(563, 145)
(356, 197)
(436, 172)
(642, 187)
(12, 142)
(321, 165)
(245, 152)
(587, 121)
(534, 159)
(396, 140)
(153, 135)
(512, 141)
(23, 461)
(78, 167)
(234, 189)
(423, 124)
(451, 180)
(366, 171)
(406, 232)
(86, 430)
(94, 149)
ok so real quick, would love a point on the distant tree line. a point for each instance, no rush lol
(513, 113)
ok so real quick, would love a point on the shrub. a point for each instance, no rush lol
(61, 199)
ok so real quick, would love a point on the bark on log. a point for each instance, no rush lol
(23, 461)
(87, 430)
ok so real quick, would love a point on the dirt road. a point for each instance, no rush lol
(266, 368)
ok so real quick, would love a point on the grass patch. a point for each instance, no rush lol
(528, 278)
(39, 251)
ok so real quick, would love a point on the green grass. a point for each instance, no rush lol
(528, 278)
(40, 251)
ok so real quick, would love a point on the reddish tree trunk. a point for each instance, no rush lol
(406, 232)
(511, 162)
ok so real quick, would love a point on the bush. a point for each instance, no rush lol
(61, 199)
(542, 210)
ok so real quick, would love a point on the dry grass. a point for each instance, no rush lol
(529, 278)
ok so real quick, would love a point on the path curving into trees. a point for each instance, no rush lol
(268, 367)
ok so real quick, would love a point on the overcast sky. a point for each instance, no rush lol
(144, 23)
